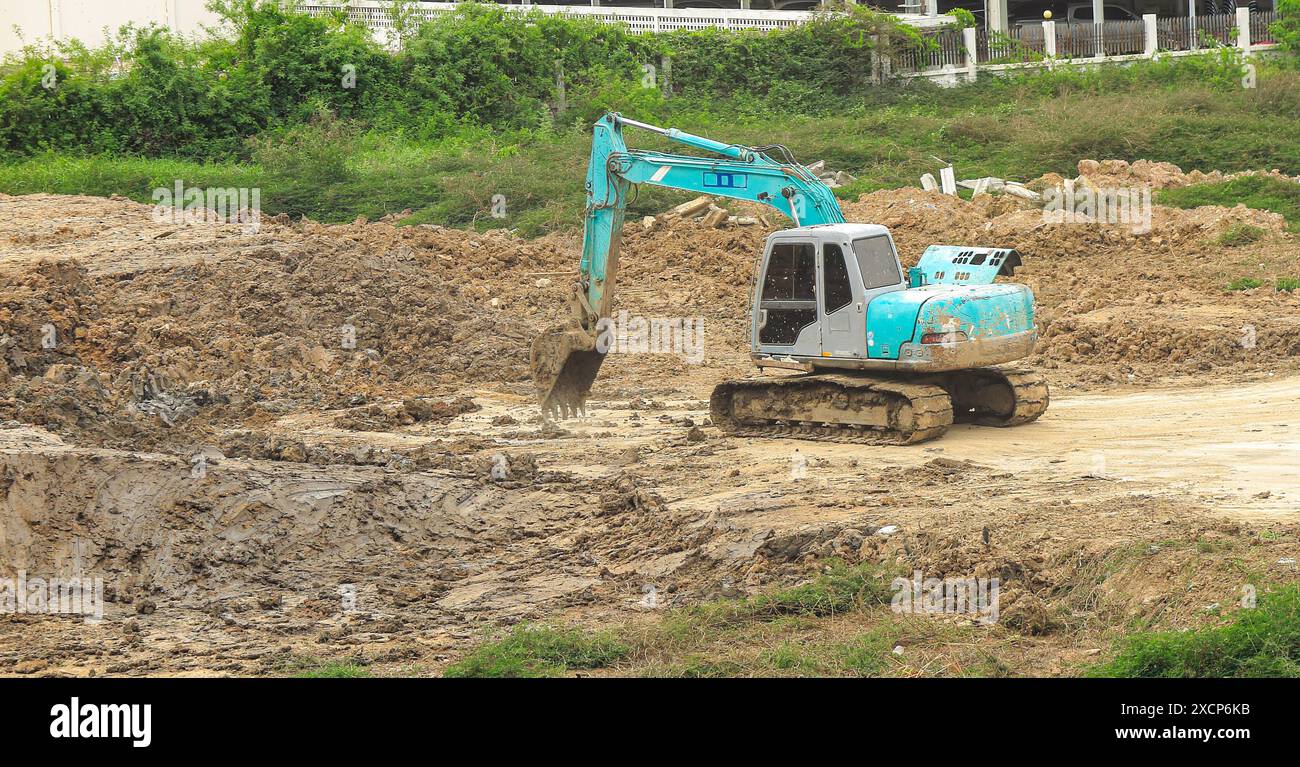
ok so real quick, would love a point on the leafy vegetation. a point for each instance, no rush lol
(1286, 30)
(1260, 642)
(1244, 283)
(331, 125)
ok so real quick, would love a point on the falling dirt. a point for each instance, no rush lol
(316, 440)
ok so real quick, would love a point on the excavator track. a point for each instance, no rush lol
(877, 410)
(832, 408)
(994, 396)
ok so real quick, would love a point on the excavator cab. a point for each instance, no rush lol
(814, 286)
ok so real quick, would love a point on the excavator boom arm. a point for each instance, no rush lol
(742, 173)
(565, 359)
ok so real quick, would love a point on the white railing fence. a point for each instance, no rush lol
(949, 54)
(376, 15)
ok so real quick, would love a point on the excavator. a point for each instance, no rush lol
(865, 351)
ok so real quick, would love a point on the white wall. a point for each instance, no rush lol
(87, 20)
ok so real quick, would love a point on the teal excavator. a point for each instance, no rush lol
(869, 352)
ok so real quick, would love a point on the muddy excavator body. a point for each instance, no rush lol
(873, 352)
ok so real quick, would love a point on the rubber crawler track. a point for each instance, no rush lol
(931, 410)
(930, 397)
(1029, 389)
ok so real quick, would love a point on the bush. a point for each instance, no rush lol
(1286, 30)
(1261, 642)
(498, 67)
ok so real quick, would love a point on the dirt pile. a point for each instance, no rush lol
(100, 343)
(1157, 175)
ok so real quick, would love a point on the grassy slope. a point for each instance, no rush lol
(1016, 130)
(840, 624)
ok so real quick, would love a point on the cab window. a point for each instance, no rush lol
(836, 276)
(789, 299)
(876, 262)
(791, 273)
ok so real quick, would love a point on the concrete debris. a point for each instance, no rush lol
(715, 217)
(692, 208)
(992, 184)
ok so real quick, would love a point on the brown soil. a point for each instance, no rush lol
(412, 465)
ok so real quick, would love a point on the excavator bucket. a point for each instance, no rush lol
(564, 361)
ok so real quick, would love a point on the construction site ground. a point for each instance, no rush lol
(201, 432)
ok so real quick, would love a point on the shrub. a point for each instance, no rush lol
(1261, 642)
(1286, 30)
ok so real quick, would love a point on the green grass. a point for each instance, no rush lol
(889, 137)
(1259, 642)
(682, 635)
(1241, 234)
(1244, 283)
(1259, 192)
(840, 589)
(864, 655)
(539, 651)
(335, 671)
(307, 667)
(1288, 284)
(133, 177)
